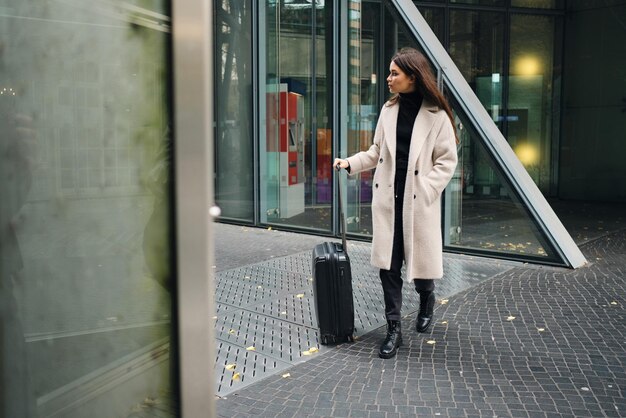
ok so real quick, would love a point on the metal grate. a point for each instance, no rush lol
(266, 317)
(236, 367)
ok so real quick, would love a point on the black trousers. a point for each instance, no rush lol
(391, 279)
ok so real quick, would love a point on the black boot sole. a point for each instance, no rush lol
(423, 330)
(392, 354)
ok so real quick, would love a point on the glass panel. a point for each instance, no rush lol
(436, 20)
(476, 46)
(482, 2)
(318, 165)
(298, 116)
(269, 157)
(530, 113)
(85, 221)
(234, 180)
(364, 101)
(539, 4)
(481, 211)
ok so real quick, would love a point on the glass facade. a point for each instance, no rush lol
(86, 249)
(290, 71)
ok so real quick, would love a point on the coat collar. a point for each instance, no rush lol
(424, 121)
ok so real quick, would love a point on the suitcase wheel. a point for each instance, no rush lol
(351, 338)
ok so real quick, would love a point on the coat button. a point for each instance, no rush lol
(380, 161)
(413, 196)
(416, 172)
(376, 185)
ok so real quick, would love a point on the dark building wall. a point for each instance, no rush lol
(593, 141)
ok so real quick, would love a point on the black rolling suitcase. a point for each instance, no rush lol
(332, 289)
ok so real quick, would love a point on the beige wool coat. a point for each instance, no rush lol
(432, 161)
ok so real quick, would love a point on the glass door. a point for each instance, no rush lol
(86, 248)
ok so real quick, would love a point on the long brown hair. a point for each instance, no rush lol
(414, 64)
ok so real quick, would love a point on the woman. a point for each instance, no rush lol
(414, 153)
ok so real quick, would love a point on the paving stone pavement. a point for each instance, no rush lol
(265, 318)
(531, 342)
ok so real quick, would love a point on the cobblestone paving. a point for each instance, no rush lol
(266, 320)
(531, 342)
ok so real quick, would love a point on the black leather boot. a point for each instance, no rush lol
(389, 348)
(425, 314)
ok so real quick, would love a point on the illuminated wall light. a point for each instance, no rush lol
(527, 154)
(527, 65)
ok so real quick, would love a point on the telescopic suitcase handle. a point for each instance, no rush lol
(342, 218)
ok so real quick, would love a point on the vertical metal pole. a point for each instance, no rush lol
(262, 54)
(340, 91)
(256, 107)
(313, 112)
(192, 24)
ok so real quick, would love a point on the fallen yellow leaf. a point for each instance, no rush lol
(306, 353)
(444, 322)
(286, 375)
(431, 342)
(300, 295)
(541, 329)
(283, 313)
(443, 301)
(251, 348)
(231, 331)
(613, 303)
(510, 318)
(313, 349)
(236, 376)
(231, 366)
(259, 287)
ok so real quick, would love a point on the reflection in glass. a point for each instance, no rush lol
(85, 248)
(481, 210)
(529, 119)
(234, 178)
(435, 17)
(476, 46)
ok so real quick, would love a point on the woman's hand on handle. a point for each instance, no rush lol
(341, 163)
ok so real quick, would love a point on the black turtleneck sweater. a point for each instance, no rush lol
(410, 104)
